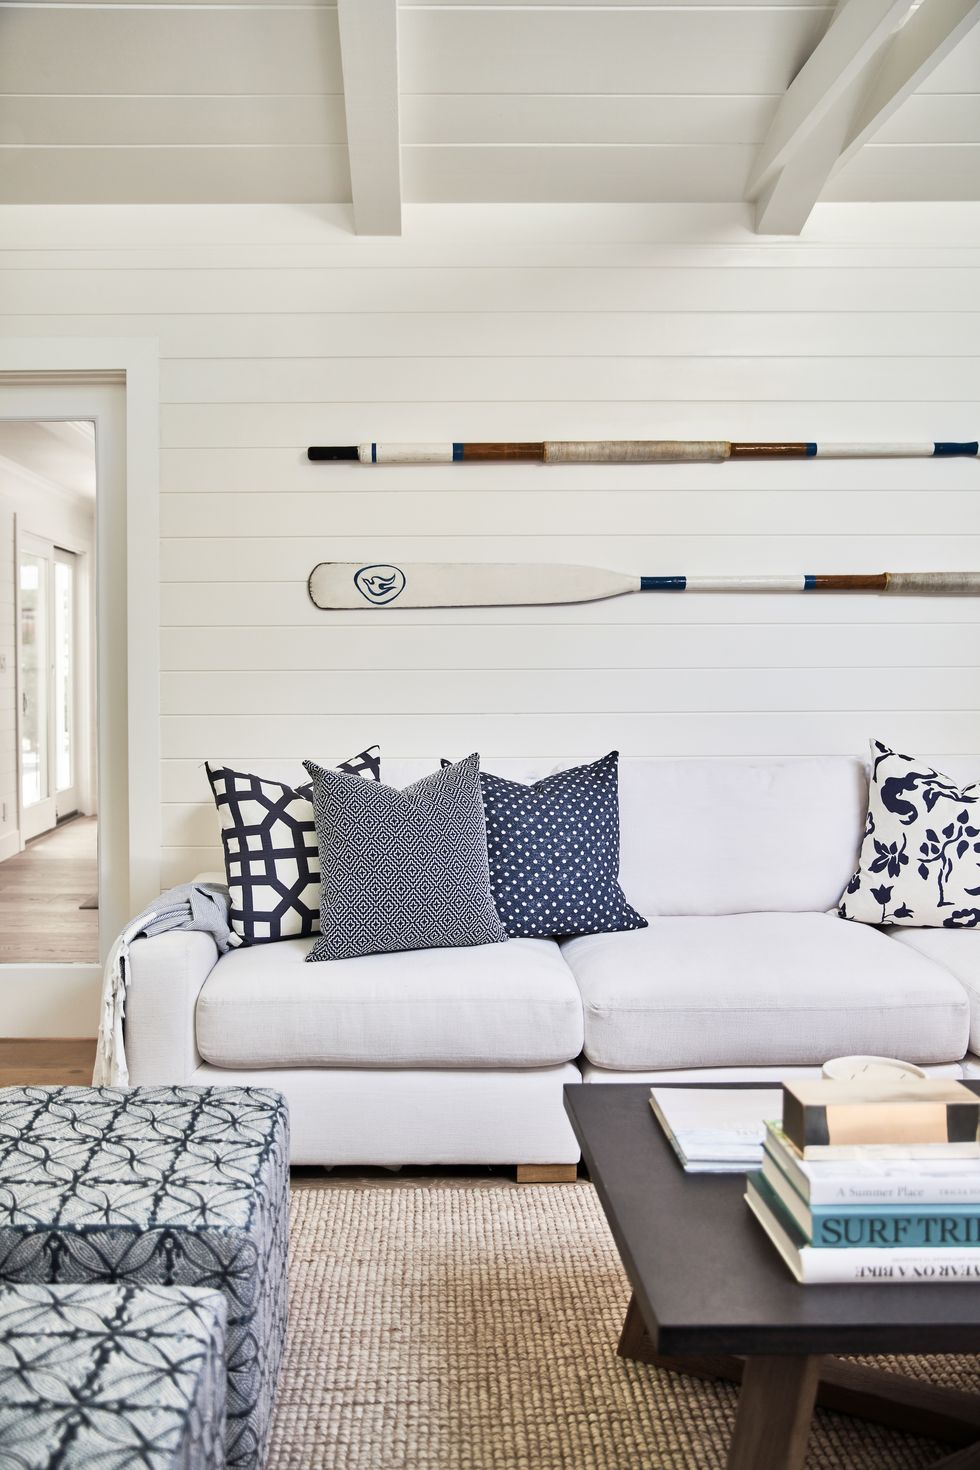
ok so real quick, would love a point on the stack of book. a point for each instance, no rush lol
(867, 1183)
(715, 1130)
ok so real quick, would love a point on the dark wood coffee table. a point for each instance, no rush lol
(711, 1297)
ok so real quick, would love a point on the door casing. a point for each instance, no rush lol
(115, 383)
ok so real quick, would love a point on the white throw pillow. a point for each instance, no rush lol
(920, 858)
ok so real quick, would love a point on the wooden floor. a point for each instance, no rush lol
(46, 1061)
(40, 892)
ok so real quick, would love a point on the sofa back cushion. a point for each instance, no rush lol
(739, 836)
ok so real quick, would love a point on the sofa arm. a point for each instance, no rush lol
(166, 974)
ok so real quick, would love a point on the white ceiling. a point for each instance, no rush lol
(59, 452)
(553, 101)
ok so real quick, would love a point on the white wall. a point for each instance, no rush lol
(278, 329)
(55, 515)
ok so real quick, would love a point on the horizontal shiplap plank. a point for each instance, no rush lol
(545, 173)
(287, 470)
(115, 227)
(910, 171)
(459, 117)
(256, 559)
(309, 693)
(181, 50)
(407, 253)
(198, 121)
(576, 512)
(160, 175)
(286, 605)
(589, 379)
(486, 289)
(959, 71)
(584, 644)
(195, 425)
(530, 333)
(591, 4)
(934, 117)
(606, 49)
(723, 732)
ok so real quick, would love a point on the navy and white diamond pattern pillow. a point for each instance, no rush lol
(554, 852)
(402, 869)
(272, 864)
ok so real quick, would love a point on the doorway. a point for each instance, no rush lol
(49, 884)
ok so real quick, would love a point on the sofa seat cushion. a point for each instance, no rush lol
(761, 990)
(958, 951)
(507, 1005)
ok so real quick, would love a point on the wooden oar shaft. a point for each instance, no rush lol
(632, 451)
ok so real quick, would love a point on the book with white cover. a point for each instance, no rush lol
(871, 1265)
(872, 1180)
(716, 1130)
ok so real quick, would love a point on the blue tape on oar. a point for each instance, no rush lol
(811, 450)
(458, 451)
(809, 582)
(663, 584)
(945, 449)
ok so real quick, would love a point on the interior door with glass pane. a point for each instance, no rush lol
(46, 684)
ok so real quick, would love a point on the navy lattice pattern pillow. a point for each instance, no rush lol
(271, 859)
(554, 852)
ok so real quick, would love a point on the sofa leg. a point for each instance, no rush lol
(547, 1173)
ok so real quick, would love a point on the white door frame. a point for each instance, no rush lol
(62, 1000)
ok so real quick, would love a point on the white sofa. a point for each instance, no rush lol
(460, 1055)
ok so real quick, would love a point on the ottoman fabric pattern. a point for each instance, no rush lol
(109, 1377)
(184, 1186)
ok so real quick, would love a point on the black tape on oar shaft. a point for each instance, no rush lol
(332, 451)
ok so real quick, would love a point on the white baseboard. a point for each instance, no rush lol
(10, 845)
(49, 1000)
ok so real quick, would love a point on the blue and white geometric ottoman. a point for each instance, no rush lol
(107, 1377)
(168, 1186)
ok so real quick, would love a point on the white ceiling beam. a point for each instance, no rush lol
(786, 204)
(897, 68)
(926, 39)
(369, 61)
(856, 35)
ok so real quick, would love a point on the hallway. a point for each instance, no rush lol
(40, 893)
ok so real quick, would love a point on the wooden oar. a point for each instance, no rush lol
(631, 451)
(350, 584)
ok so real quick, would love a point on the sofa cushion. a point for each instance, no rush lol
(958, 951)
(509, 1005)
(739, 836)
(760, 989)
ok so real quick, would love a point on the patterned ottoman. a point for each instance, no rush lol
(185, 1186)
(109, 1377)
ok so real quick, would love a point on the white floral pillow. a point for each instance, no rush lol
(920, 858)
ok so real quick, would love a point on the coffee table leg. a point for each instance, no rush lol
(775, 1407)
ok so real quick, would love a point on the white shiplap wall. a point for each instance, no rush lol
(278, 329)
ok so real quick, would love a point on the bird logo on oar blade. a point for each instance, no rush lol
(380, 584)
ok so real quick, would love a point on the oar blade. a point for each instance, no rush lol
(349, 584)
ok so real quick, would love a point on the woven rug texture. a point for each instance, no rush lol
(475, 1328)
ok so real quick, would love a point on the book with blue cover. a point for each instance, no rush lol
(815, 1265)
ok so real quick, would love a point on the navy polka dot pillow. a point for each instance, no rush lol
(554, 853)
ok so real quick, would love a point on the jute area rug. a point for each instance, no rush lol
(475, 1328)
